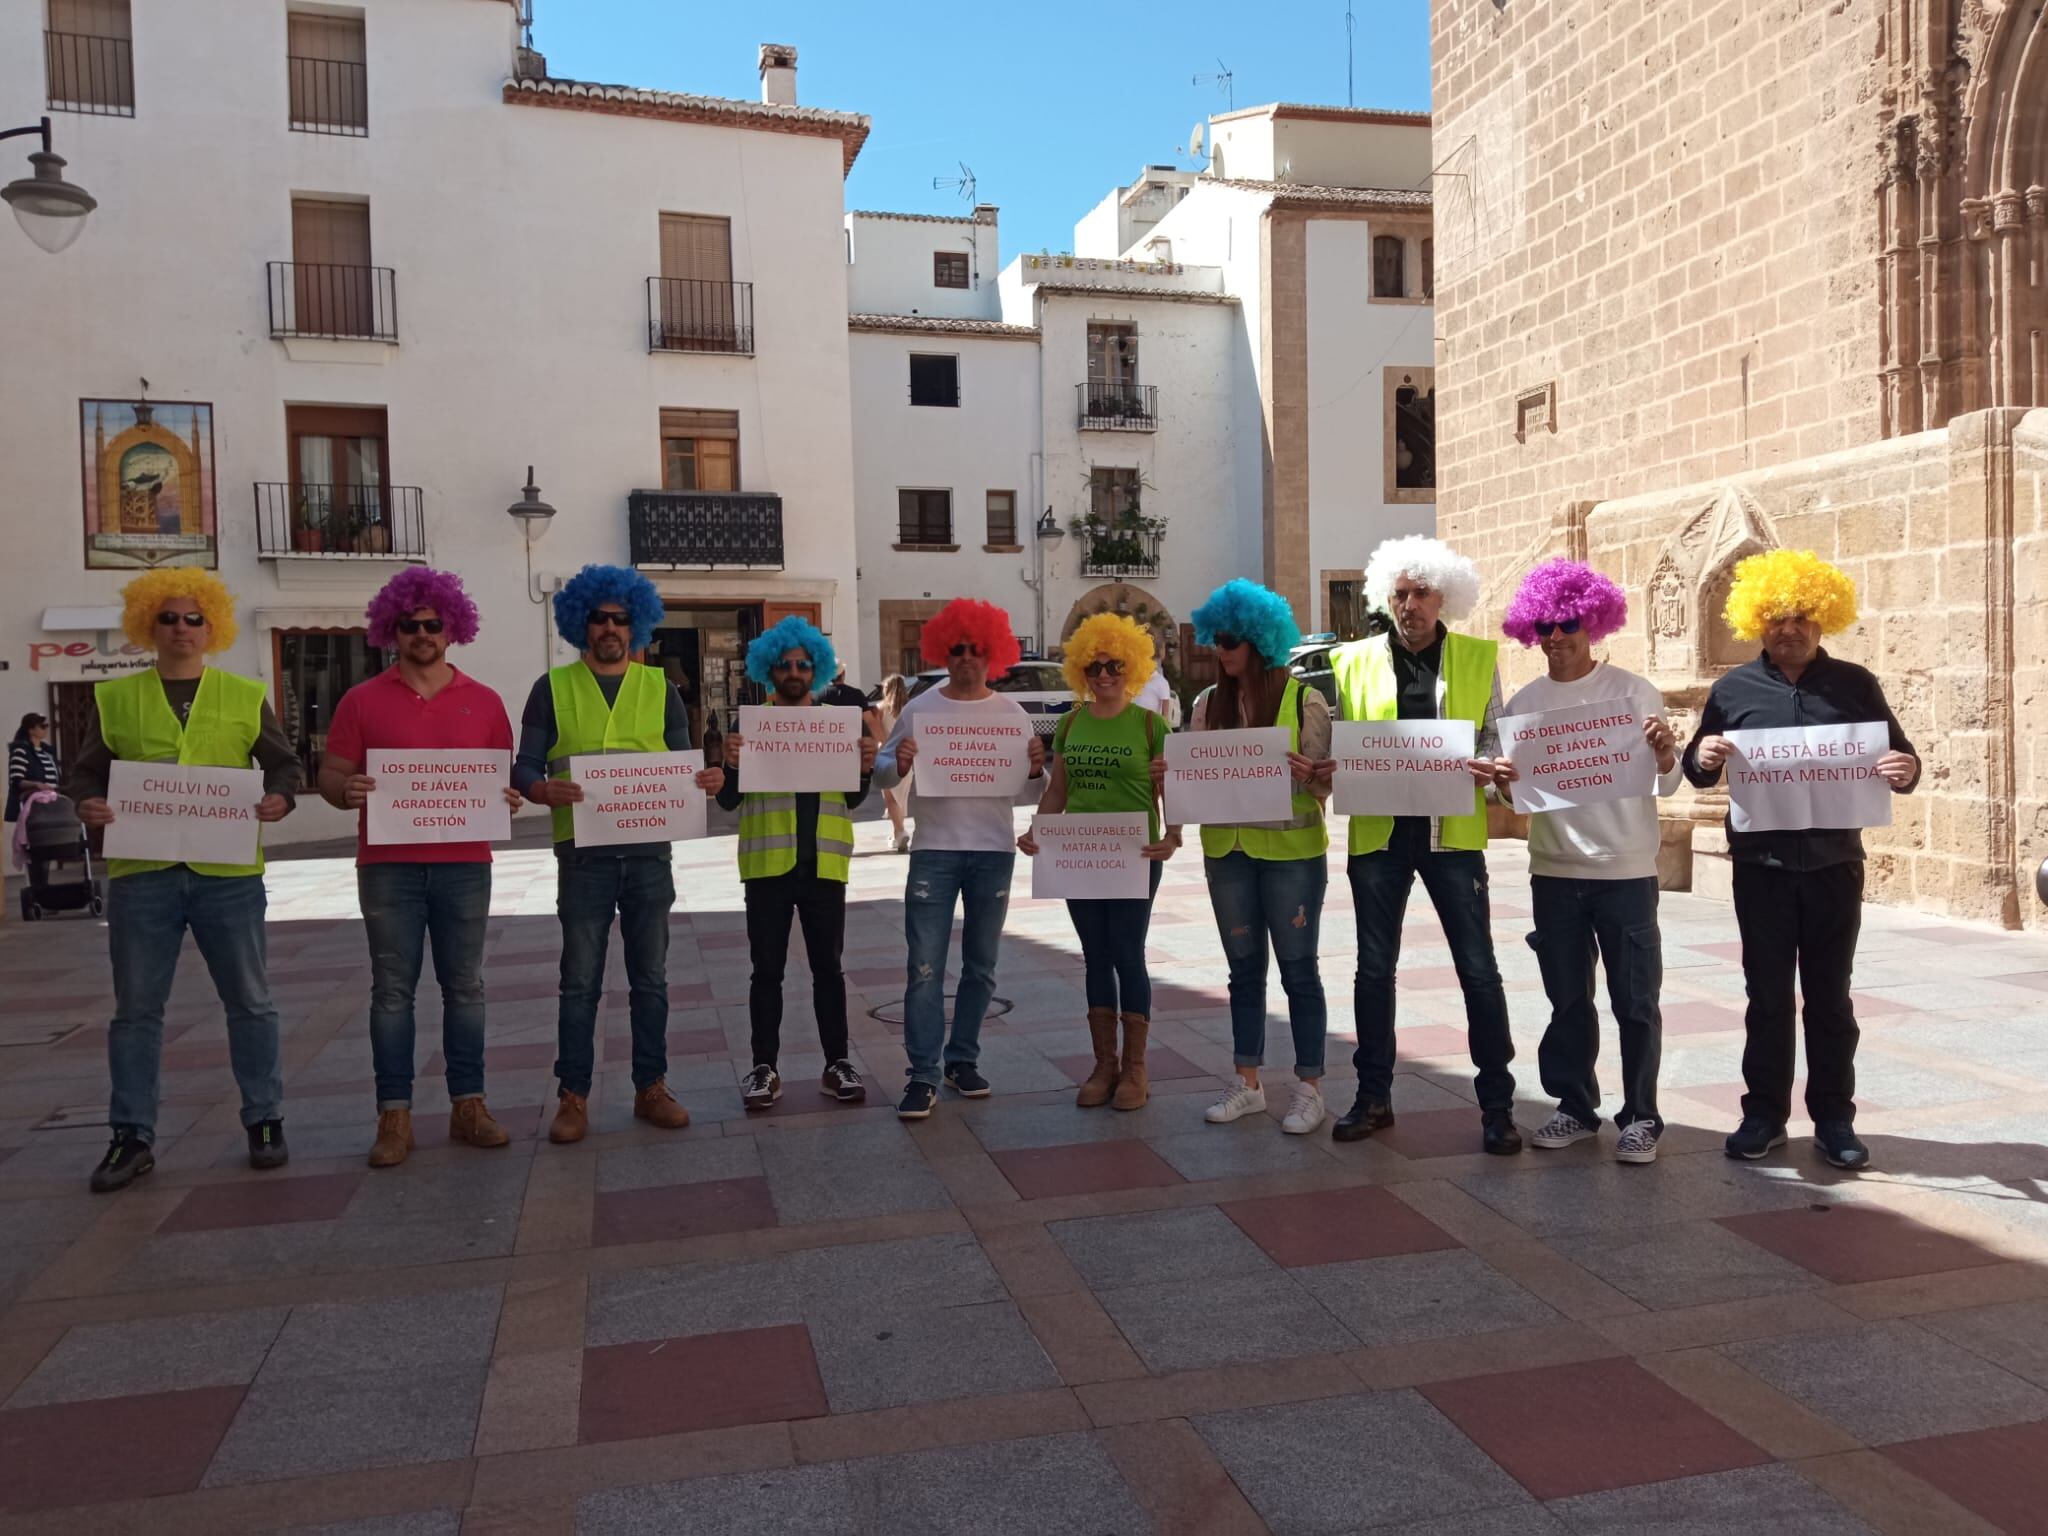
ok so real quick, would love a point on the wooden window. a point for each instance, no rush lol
(1002, 517)
(334, 290)
(1112, 354)
(88, 57)
(1112, 492)
(1388, 280)
(700, 450)
(325, 60)
(1414, 437)
(314, 668)
(340, 466)
(696, 271)
(910, 647)
(949, 269)
(924, 517)
(934, 380)
(1428, 267)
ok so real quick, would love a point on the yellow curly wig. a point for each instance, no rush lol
(1788, 581)
(1114, 638)
(143, 599)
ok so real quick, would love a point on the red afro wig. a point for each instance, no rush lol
(980, 624)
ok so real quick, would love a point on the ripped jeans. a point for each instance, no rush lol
(979, 883)
(1281, 901)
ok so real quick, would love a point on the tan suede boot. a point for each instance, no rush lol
(572, 1119)
(469, 1120)
(1102, 1081)
(657, 1106)
(1133, 1083)
(394, 1138)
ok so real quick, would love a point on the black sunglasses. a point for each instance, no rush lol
(1564, 626)
(963, 649)
(1098, 668)
(616, 620)
(792, 666)
(189, 620)
(414, 626)
(1228, 642)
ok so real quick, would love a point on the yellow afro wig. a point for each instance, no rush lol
(144, 598)
(1112, 637)
(1787, 581)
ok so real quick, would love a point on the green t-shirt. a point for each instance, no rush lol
(1109, 761)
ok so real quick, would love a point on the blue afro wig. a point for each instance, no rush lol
(596, 584)
(792, 634)
(1258, 614)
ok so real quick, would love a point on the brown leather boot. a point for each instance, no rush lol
(1133, 1082)
(657, 1106)
(1102, 1081)
(394, 1138)
(469, 1120)
(572, 1119)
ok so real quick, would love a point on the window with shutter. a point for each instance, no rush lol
(88, 58)
(325, 61)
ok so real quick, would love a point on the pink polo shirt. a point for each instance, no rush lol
(386, 714)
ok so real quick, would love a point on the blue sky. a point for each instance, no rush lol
(1049, 114)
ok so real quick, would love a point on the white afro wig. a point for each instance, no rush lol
(1427, 560)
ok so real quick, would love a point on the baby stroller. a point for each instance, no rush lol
(60, 873)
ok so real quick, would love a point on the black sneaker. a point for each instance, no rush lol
(1754, 1138)
(128, 1159)
(1498, 1133)
(1840, 1145)
(266, 1145)
(1363, 1118)
(762, 1087)
(967, 1082)
(917, 1102)
(841, 1082)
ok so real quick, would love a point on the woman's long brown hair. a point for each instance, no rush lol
(1253, 700)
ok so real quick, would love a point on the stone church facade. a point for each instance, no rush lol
(1716, 276)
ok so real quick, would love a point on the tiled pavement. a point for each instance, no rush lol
(1019, 1316)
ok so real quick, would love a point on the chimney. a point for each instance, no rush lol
(778, 74)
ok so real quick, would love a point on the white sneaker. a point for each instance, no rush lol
(1561, 1130)
(1305, 1110)
(1237, 1101)
(1638, 1144)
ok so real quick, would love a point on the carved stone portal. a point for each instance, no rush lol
(1689, 643)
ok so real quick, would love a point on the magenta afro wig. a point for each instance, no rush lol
(980, 624)
(596, 584)
(791, 634)
(420, 586)
(1565, 589)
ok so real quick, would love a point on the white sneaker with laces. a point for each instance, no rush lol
(1561, 1130)
(1638, 1143)
(1237, 1101)
(1305, 1110)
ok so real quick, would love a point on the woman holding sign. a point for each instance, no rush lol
(1102, 763)
(1267, 878)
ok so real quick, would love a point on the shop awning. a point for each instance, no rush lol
(81, 618)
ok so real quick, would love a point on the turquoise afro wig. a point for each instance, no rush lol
(596, 584)
(792, 634)
(1258, 614)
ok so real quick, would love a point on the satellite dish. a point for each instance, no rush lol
(1195, 142)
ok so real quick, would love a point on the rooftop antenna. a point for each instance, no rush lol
(1350, 27)
(526, 22)
(962, 184)
(1222, 82)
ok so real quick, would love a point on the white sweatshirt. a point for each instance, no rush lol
(1613, 841)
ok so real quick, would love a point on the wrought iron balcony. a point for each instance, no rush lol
(333, 303)
(375, 522)
(1120, 551)
(329, 96)
(93, 75)
(706, 529)
(1118, 407)
(687, 314)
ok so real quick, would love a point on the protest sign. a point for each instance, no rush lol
(1214, 776)
(1583, 755)
(799, 749)
(1091, 858)
(1402, 767)
(185, 814)
(438, 797)
(637, 797)
(971, 751)
(1793, 777)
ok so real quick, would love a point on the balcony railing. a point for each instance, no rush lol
(94, 75)
(1122, 553)
(329, 96)
(1118, 407)
(333, 303)
(705, 528)
(688, 314)
(378, 522)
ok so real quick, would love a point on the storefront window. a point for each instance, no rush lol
(314, 669)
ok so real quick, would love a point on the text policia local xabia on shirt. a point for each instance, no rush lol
(952, 823)
(385, 714)
(1109, 762)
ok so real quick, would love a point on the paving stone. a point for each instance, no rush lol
(198, 1258)
(436, 1328)
(1686, 1264)
(686, 1160)
(1748, 1499)
(1019, 1488)
(629, 1305)
(2013, 1335)
(839, 1172)
(150, 1355)
(2000, 1474)
(1246, 1147)
(461, 1190)
(1562, 1199)
(381, 1245)
(1332, 1225)
(57, 1455)
(1087, 1167)
(820, 1501)
(1505, 1520)
(711, 1381)
(300, 1426)
(426, 1522)
(1187, 1325)
(1155, 1247)
(882, 1359)
(1406, 1297)
(1004, 1127)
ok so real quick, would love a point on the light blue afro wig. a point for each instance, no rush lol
(1258, 614)
(791, 634)
(596, 584)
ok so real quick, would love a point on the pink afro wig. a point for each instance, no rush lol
(420, 586)
(1565, 589)
(979, 624)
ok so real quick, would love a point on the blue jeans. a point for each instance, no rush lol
(939, 878)
(147, 915)
(588, 891)
(404, 907)
(1618, 918)
(1280, 901)
(1456, 881)
(1112, 935)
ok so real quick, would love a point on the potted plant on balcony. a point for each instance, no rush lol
(308, 532)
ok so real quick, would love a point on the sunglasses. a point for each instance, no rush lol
(1562, 626)
(1228, 642)
(189, 620)
(605, 616)
(1104, 668)
(415, 626)
(792, 666)
(963, 650)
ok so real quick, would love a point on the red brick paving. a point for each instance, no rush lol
(271, 1200)
(681, 1210)
(1848, 1244)
(2000, 1474)
(710, 1381)
(1335, 1225)
(1085, 1168)
(112, 1448)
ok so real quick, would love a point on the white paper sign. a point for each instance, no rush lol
(438, 797)
(972, 752)
(799, 749)
(1402, 767)
(637, 797)
(1092, 858)
(1793, 777)
(1214, 776)
(1583, 755)
(187, 815)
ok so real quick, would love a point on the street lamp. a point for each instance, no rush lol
(534, 517)
(1049, 535)
(50, 209)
